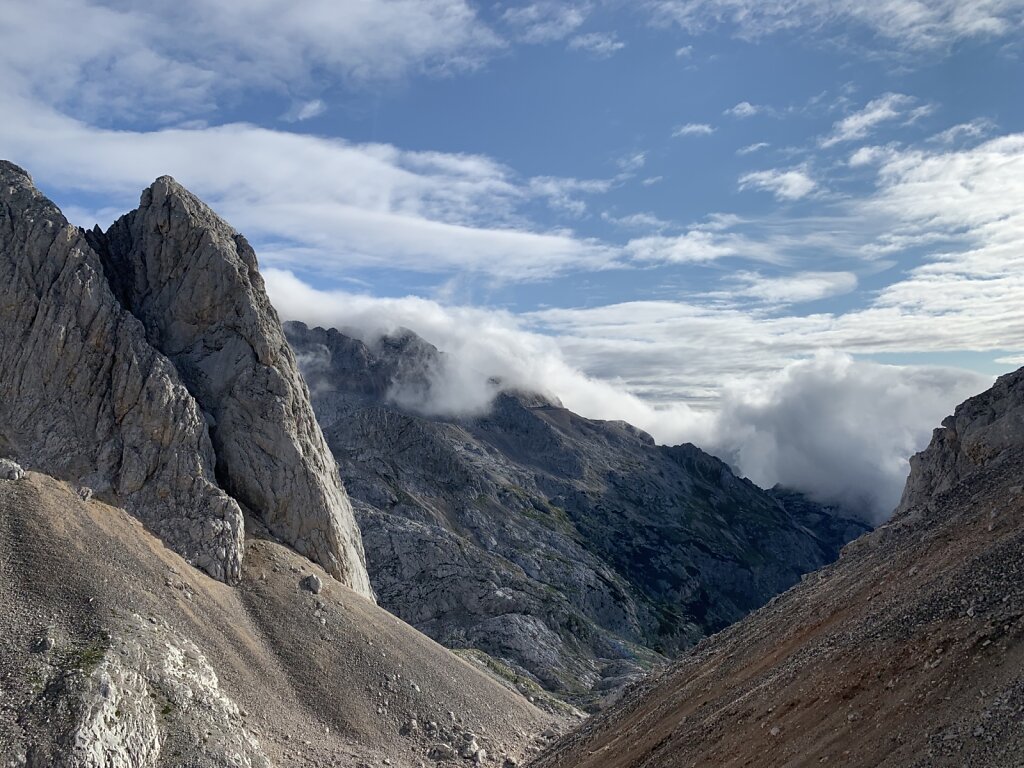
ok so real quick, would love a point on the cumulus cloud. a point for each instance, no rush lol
(790, 184)
(838, 429)
(693, 129)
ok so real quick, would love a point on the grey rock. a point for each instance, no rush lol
(441, 752)
(312, 583)
(982, 431)
(10, 470)
(85, 397)
(194, 283)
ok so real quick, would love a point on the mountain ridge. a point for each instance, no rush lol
(651, 546)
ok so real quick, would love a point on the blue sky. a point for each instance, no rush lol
(668, 211)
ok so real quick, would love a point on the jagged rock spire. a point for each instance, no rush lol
(148, 363)
(85, 397)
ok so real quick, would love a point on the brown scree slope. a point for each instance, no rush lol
(907, 652)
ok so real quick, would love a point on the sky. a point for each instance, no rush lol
(790, 232)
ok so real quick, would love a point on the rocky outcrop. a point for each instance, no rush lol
(194, 283)
(84, 396)
(981, 432)
(575, 551)
(146, 365)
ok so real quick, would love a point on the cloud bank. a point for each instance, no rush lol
(837, 428)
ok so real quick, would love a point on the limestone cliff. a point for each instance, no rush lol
(85, 397)
(194, 283)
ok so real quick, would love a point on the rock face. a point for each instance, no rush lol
(982, 431)
(147, 364)
(577, 552)
(909, 651)
(194, 283)
(85, 397)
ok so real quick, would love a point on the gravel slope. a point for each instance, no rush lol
(146, 649)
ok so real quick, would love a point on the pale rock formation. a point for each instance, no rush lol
(10, 470)
(193, 282)
(84, 397)
(979, 433)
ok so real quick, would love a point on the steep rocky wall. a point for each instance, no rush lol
(85, 397)
(979, 433)
(194, 283)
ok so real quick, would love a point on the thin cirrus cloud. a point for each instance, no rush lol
(693, 129)
(305, 111)
(749, 149)
(886, 108)
(744, 109)
(545, 22)
(599, 44)
(919, 25)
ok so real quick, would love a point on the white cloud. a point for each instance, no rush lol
(693, 129)
(744, 109)
(632, 163)
(860, 124)
(792, 288)
(840, 430)
(647, 221)
(322, 203)
(791, 184)
(915, 24)
(684, 52)
(165, 61)
(599, 44)
(560, 193)
(751, 148)
(305, 111)
(970, 130)
(650, 181)
(693, 247)
(546, 22)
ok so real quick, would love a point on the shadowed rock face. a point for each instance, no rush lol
(85, 397)
(194, 283)
(576, 550)
(148, 364)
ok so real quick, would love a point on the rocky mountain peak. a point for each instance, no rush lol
(184, 290)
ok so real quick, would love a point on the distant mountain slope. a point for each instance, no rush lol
(907, 652)
(577, 550)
